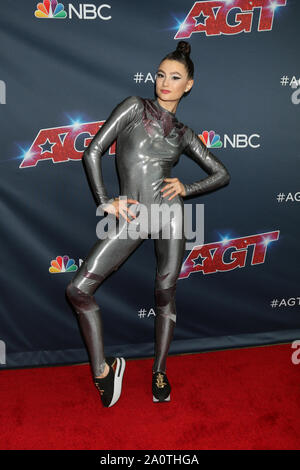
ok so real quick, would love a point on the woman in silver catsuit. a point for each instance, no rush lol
(150, 141)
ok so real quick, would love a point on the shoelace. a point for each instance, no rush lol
(100, 390)
(113, 365)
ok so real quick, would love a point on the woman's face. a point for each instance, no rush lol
(171, 75)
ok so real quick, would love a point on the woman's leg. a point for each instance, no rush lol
(105, 257)
(169, 254)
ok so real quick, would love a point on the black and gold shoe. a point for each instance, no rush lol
(110, 386)
(160, 387)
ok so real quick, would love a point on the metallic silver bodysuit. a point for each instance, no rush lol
(150, 141)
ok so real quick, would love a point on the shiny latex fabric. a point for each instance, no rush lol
(150, 141)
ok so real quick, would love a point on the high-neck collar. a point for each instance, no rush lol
(155, 101)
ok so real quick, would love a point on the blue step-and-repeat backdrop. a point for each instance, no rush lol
(63, 68)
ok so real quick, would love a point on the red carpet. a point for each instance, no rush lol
(234, 399)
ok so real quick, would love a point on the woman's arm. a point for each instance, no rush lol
(219, 175)
(119, 118)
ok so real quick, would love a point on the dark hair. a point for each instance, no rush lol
(182, 54)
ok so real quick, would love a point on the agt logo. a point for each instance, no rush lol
(61, 144)
(84, 11)
(213, 17)
(227, 255)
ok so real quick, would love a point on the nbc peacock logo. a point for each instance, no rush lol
(50, 9)
(62, 264)
(210, 139)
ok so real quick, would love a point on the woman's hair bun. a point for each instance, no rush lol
(184, 47)
(182, 55)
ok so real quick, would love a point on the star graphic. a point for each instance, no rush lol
(199, 260)
(201, 19)
(47, 146)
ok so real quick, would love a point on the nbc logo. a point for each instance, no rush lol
(62, 264)
(210, 139)
(50, 9)
(83, 11)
